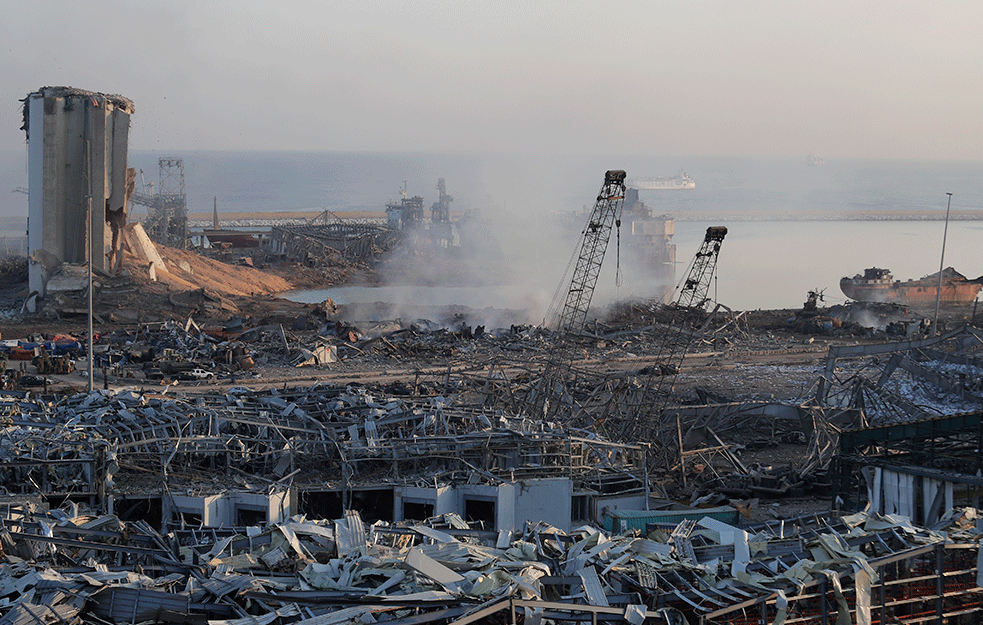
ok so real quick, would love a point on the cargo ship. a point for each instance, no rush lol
(682, 181)
(878, 285)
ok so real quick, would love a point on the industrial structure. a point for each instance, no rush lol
(627, 410)
(441, 228)
(167, 221)
(407, 214)
(478, 491)
(649, 246)
(78, 186)
(550, 392)
(327, 238)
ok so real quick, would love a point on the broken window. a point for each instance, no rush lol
(140, 509)
(374, 505)
(580, 508)
(190, 520)
(247, 516)
(321, 505)
(417, 510)
(480, 511)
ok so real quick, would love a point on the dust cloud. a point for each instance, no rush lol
(514, 250)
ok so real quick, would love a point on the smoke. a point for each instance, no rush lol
(514, 246)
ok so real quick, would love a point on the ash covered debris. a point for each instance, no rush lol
(65, 565)
(906, 380)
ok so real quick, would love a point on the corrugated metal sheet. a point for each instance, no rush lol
(221, 584)
(121, 604)
(33, 614)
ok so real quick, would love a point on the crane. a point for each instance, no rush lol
(637, 411)
(544, 395)
(593, 244)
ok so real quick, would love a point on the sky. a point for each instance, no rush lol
(841, 79)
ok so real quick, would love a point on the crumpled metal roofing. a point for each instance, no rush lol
(344, 571)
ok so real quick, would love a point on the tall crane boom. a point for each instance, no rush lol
(643, 415)
(690, 304)
(594, 243)
(546, 396)
(693, 293)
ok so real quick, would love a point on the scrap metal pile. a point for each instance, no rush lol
(485, 378)
(63, 566)
(331, 436)
(490, 372)
(335, 243)
(909, 380)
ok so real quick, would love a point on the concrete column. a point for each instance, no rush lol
(100, 184)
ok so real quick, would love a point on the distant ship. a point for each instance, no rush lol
(878, 285)
(680, 181)
(815, 160)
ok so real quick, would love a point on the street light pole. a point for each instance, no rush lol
(938, 293)
(87, 158)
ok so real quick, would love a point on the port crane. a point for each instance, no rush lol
(637, 407)
(546, 396)
(634, 407)
(593, 245)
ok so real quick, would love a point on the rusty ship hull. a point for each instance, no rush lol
(878, 285)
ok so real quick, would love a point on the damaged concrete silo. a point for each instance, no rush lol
(77, 150)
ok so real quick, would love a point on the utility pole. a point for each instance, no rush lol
(938, 293)
(88, 236)
(88, 242)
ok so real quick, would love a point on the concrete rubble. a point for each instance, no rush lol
(208, 503)
(215, 459)
(492, 370)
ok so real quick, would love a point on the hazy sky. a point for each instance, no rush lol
(772, 78)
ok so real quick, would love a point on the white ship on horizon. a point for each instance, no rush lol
(677, 182)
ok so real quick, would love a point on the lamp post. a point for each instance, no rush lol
(87, 167)
(938, 293)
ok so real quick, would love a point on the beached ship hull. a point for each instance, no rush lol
(878, 285)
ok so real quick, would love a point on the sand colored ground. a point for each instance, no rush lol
(189, 270)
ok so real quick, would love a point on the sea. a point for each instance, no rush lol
(525, 204)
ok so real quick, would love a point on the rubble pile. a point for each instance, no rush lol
(65, 566)
(485, 375)
(329, 436)
(908, 380)
(482, 386)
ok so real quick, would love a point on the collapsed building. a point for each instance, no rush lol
(317, 451)
(62, 565)
(250, 505)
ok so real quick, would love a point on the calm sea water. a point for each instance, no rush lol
(763, 264)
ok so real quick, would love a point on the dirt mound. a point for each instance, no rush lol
(188, 271)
